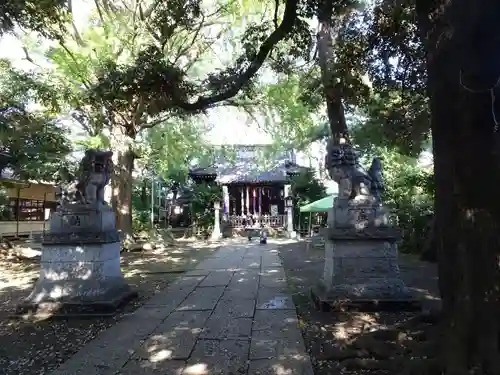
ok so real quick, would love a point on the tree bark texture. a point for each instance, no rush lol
(332, 89)
(122, 181)
(463, 64)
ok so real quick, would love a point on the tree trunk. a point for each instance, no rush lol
(429, 252)
(144, 194)
(465, 145)
(123, 157)
(331, 87)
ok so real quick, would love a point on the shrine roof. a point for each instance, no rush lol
(248, 164)
(246, 172)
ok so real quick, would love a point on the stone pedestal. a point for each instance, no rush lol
(289, 223)
(361, 262)
(216, 233)
(80, 265)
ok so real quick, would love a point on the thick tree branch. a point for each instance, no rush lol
(276, 10)
(267, 46)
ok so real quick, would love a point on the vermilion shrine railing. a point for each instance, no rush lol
(267, 220)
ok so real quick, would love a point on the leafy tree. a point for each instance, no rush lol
(47, 17)
(33, 139)
(134, 70)
(306, 188)
(202, 208)
(292, 120)
(408, 193)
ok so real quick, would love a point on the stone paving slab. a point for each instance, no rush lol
(235, 307)
(175, 337)
(227, 328)
(141, 367)
(241, 291)
(228, 357)
(216, 319)
(197, 273)
(210, 264)
(245, 278)
(278, 366)
(217, 279)
(273, 281)
(202, 299)
(249, 263)
(176, 293)
(276, 324)
(274, 299)
(244, 284)
(269, 349)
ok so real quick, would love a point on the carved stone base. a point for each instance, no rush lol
(349, 299)
(79, 280)
(361, 271)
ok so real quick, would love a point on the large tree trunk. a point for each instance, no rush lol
(123, 157)
(467, 172)
(331, 86)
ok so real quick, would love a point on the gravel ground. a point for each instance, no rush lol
(37, 347)
(363, 343)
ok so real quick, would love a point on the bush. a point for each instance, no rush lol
(409, 194)
(141, 221)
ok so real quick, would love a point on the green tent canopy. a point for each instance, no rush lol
(322, 205)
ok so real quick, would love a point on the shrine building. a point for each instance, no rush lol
(254, 181)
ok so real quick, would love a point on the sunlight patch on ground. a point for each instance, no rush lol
(197, 369)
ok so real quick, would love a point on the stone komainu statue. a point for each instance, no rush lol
(93, 175)
(342, 162)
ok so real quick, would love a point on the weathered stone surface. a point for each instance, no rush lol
(169, 299)
(298, 365)
(186, 281)
(202, 299)
(197, 273)
(194, 330)
(250, 263)
(271, 260)
(243, 285)
(175, 337)
(245, 277)
(235, 307)
(148, 312)
(273, 280)
(109, 352)
(244, 291)
(278, 349)
(161, 367)
(362, 270)
(212, 264)
(176, 293)
(217, 278)
(82, 219)
(273, 272)
(224, 327)
(218, 357)
(274, 324)
(274, 299)
(80, 264)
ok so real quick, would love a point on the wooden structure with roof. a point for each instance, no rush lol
(253, 183)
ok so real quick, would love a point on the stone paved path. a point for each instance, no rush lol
(231, 315)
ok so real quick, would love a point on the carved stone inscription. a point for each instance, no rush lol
(74, 220)
(78, 221)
